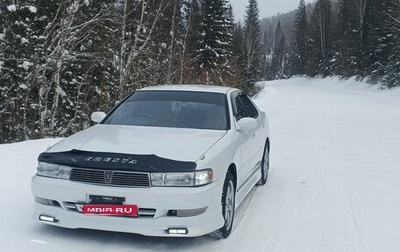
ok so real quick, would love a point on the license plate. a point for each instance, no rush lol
(111, 210)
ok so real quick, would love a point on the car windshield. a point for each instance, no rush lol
(177, 109)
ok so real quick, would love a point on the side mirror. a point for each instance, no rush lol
(247, 123)
(97, 116)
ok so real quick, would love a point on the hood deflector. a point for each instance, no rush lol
(116, 161)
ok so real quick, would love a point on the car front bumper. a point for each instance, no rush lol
(201, 205)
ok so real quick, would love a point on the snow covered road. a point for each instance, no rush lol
(334, 182)
(336, 168)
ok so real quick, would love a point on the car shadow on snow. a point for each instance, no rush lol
(110, 241)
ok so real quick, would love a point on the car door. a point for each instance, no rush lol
(251, 140)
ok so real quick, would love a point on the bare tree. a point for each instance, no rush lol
(143, 31)
(63, 37)
(361, 5)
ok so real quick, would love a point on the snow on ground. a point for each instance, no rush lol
(334, 182)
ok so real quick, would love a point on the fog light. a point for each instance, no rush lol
(47, 202)
(47, 218)
(177, 231)
(191, 212)
(43, 201)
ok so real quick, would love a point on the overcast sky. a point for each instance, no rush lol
(267, 7)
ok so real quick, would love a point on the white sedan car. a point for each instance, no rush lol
(173, 160)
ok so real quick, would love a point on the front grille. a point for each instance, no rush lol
(110, 178)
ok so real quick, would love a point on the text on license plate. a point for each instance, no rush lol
(120, 210)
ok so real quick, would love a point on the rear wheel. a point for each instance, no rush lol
(264, 166)
(228, 208)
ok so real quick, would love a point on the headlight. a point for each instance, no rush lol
(53, 170)
(181, 179)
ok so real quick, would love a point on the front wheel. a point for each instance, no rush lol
(264, 166)
(228, 208)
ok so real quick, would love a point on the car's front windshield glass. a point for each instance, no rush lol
(178, 109)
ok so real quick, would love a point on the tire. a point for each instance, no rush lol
(228, 208)
(264, 166)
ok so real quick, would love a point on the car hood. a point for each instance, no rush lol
(170, 143)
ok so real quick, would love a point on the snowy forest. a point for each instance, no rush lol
(60, 60)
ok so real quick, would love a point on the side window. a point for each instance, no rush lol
(234, 99)
(245, 108)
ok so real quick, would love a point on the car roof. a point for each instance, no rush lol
(190, 87)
